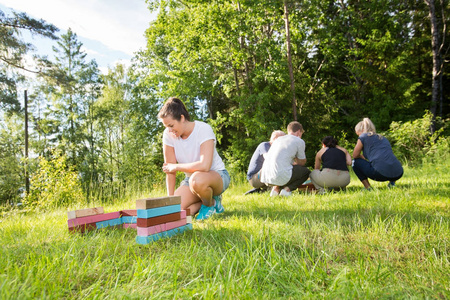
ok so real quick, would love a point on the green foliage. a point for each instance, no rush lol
(413, 140)
(11, 155)
(12, 53)
(54, 185)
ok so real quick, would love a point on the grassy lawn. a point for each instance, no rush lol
(386, 243)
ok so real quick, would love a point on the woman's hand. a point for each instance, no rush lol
(169, 168)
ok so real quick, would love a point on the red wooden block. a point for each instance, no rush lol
(83, 228)
(161, 219)
(128, 213)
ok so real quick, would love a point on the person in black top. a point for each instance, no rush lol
(334, 161)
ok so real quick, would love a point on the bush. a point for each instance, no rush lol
(413, 140)
(54, 185)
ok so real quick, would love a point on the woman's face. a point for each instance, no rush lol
(175, 127)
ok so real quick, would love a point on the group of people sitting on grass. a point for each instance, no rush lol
(190, 147)
(280, 163)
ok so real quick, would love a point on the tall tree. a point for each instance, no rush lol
(438, 33)
(13, 50)
(72, 78)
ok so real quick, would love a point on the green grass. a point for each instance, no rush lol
(383, 244)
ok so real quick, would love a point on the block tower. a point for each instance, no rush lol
(154, 218)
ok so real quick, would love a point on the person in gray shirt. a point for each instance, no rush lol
(284, 166)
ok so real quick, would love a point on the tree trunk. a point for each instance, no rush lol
(291, 72)
(435, 88)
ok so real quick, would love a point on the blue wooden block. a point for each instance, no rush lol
(109, 223)
(129, 220)
(115, 222)
(143, 240)
(158, 211)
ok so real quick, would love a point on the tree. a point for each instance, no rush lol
(11, 156)
(438, 32)
(72, 82)
(13, 51)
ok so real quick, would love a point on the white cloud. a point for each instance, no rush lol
(118, 24)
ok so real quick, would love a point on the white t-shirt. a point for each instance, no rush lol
(188, 150)
(277, 167)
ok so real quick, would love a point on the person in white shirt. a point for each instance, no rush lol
(190, 147)
(284, 166)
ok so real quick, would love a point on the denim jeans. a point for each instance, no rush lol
(363, 169)
(223, 174)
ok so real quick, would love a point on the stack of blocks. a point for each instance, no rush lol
(160, 217)
(154, 218)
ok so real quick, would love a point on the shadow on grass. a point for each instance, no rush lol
(381, 203)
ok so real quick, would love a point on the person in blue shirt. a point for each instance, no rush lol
(256, 163)
(373, 156)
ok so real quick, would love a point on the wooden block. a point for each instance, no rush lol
(93, 219)
(157, 202)
(147, 222)
(143, 240)
(307, 187)
(109, 223)
(158, 211)
(188, 219)
(128, 212)
(83, 228)
(146, 231)
(84, 212)
(129, 220)
(126, 225)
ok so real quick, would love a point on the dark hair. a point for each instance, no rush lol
(295, 126)
(329, 141)
(174, 108)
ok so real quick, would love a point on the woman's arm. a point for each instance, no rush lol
(203, 165)
(348, 158)
(169, 158)
(318, 161)
(358, 149)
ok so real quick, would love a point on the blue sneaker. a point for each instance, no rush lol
(218, 206)
(391, 184)
(205, 212)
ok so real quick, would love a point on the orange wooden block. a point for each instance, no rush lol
(157, 202)
(309, 187)
(84, 212)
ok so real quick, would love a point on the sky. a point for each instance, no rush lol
(111, 30)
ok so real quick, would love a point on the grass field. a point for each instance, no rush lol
(382, 244)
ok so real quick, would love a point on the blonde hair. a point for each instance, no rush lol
(366, 126)
(276, 134)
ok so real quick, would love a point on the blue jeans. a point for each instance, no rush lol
(364, 169)
(223, 173)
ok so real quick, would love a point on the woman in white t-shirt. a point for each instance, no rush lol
(190, 147)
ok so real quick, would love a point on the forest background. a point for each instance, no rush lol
(245, 67)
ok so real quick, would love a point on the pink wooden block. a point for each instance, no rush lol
(130, 225)
(93, 219)
(146, 231)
